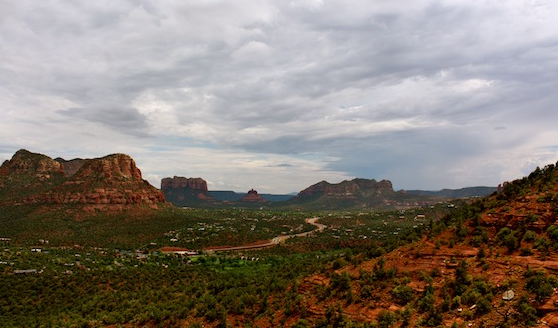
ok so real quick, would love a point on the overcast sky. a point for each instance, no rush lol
(279, 95)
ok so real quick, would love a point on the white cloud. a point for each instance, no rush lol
(417, 92)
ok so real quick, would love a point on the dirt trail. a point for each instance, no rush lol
(275, 241)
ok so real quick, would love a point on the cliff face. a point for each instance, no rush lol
(348, 189)
(197, 184)
(361, 193)
(30, 164)
(183, 191)
(113, 181)
(110, 169)
(28, 173)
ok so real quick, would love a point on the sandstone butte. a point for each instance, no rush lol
(253, 197)
(111, 182)
(348, 188)
(185, 191)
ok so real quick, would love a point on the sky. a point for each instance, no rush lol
(279, 95)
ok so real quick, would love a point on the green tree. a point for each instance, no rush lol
(403, 294)
(386, 319)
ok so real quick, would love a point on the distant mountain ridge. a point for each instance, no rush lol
(233, 196)
(181, 191)
(457, 193)
(356, 193)
(114, 180)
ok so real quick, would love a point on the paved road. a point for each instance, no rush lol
(275, 241)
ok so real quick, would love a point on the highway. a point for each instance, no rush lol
(275, 241)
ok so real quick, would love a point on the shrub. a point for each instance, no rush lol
(462, 280)
(503, 233)
(552, 232)
(426, 303)
(529, 236)
(403, 294)
(341, 282)
(541, 244)
(301, 323)
(365, 292)
(540, 284)
(481, 254)
(525, 312)
(386, 319)
(483, 305)
(507, 238)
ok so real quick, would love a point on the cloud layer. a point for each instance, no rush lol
(279, 95)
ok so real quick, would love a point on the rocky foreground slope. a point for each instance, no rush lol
(110, 182)
(491, 264)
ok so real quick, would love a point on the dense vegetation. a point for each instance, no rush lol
(78, 288)
(101, 270)
(447, 265)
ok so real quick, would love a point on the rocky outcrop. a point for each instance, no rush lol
(30, 178)
(252, 197)
(356, 193)
(26, 173)
(348, 189)
(27, 163)
(197, 184)
(110, 169)
(182, 191)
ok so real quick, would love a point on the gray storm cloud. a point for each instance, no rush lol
(415, 92)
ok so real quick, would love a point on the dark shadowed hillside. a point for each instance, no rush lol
(456, 193)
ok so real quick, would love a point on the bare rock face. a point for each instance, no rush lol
(349, 189)
(182, 191)
(116, 167)
(252, 197)
(28, 172)
(113, 180)
(27, 163)
(360, 193)
(198, 184)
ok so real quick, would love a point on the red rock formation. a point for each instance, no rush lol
(107, 181)
(28, 163)
(252, 197)
(182, 191)
(349, 189)
(116, 167)
(198, 184)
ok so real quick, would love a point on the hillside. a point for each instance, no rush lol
(456, 193)
(490, 264)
